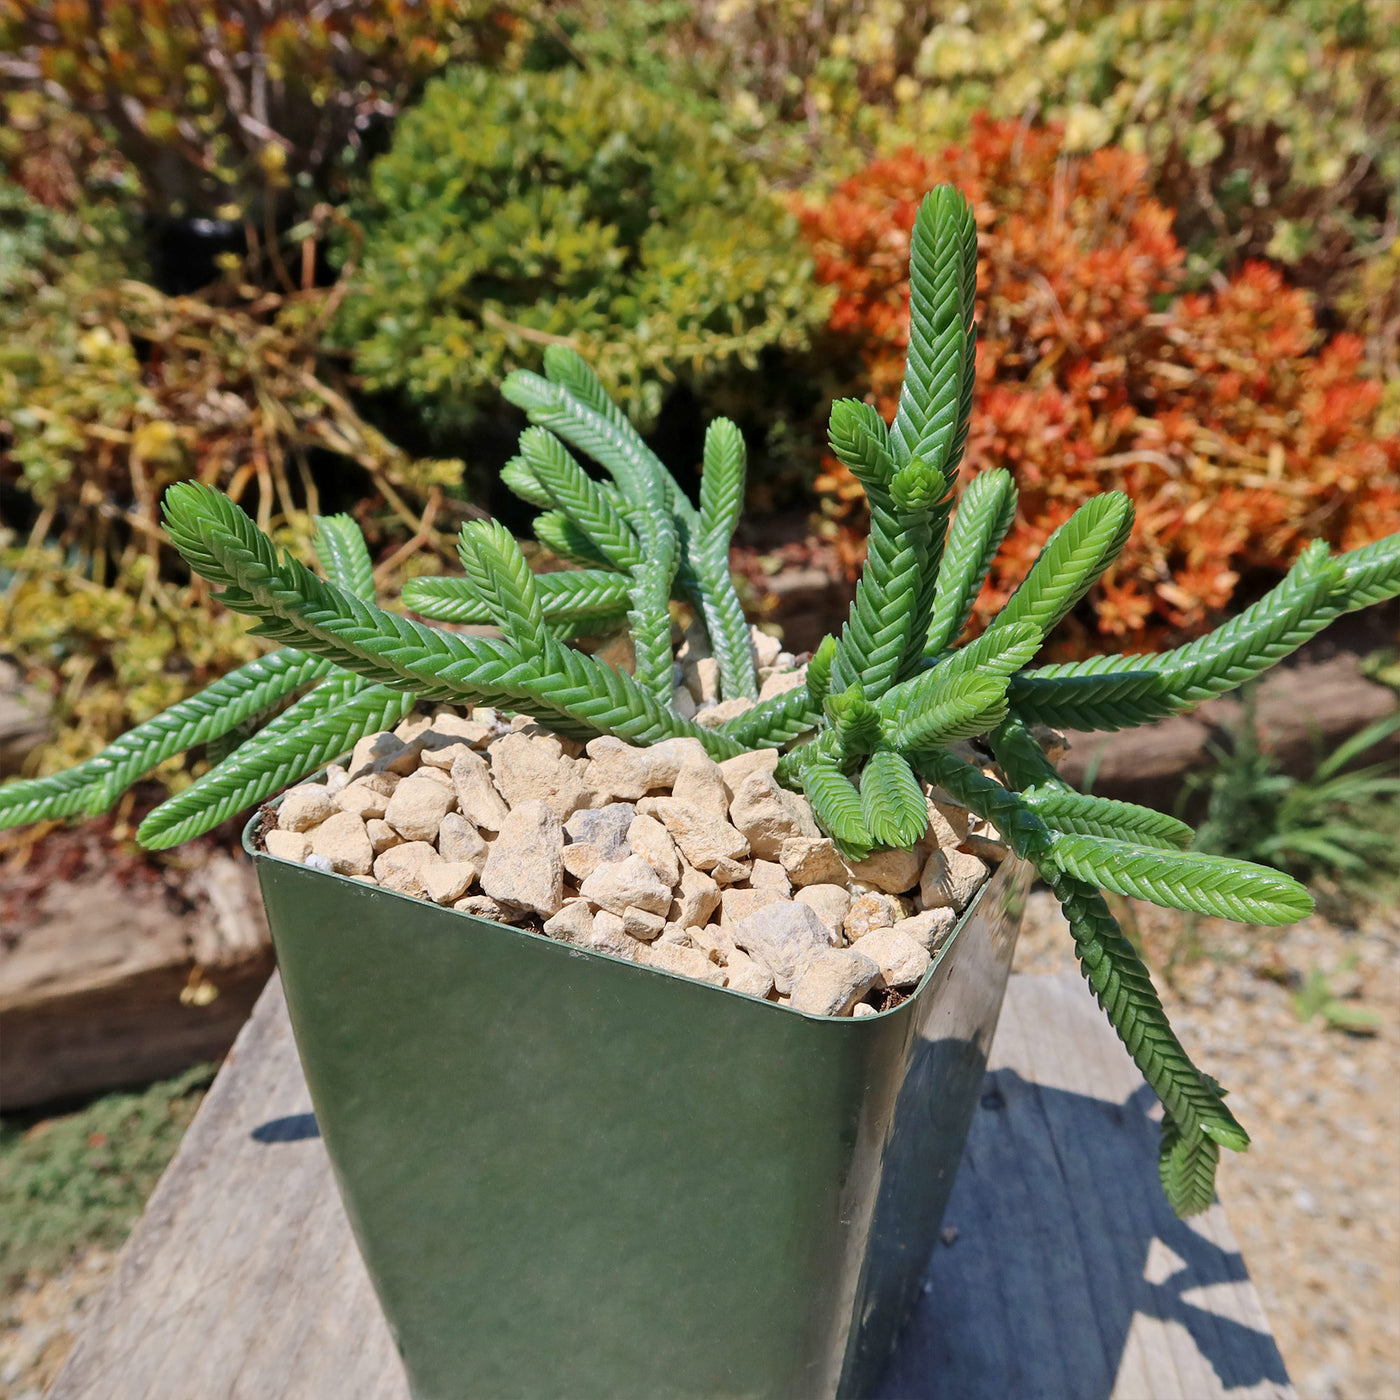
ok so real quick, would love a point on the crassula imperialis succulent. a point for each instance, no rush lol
(888, 706)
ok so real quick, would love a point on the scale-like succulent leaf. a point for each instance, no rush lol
(1070, 564)
(860, 439)
(722, 481)
(996, 653)
(340, 546)
(984, 515)
(1191, 880)
(935, 400)
(577, 694)
(855, 723)
(517, 477)
(1076, 813)
(320, 727)
(1119, 691)
(582, 596)
(1186, 1164)
(819, 670)
(92, 787)
(774, 722)
(581, 499)
(500, 574)
(892, 803)
(561, 536)
(1106, 701)
(837, 807)
(1109, 961)
(960, 708)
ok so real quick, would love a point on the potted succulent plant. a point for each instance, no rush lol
(575, 1168)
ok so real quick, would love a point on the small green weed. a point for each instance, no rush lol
(83, 1179)
(1316, 998)
(1336, 826)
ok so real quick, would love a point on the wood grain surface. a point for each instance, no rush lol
(1063, 1275)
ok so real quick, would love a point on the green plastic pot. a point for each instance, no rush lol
(572, 1176)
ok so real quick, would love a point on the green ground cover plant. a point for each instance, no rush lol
(81, 1179)
(889, 706)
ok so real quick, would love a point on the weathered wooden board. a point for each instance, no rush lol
(97, 993)
(242, 1280)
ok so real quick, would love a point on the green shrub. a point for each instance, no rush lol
(83, 1179)
(567, 208)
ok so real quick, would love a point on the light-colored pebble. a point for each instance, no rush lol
(768, 814)
(704, 839)
(525, 768)
(831, 902)
(687, 962)
(765, 647)
(641, 924)
(781, 937)
(832, 980)
(401, 867)
(288, 845)
(631, 881)
(342, 840)
(305, 806)
(418, 806)
(950, 879)
(382, 836)
(481, 906)
(700, 783)
(743, 974)
(782, 682)
(811, 860)
(736, 904)
(625, 772)
(573, 923)
(604, 828)
(891, 871)
(608, 936)
(930, 929)
(730, 872)
(901, 960)
(448, 880)
(869, 912)
(525, 865)
(477, 797)
(722, 713)
(768, 874)
(459, 840)
(649, 839)
(442, 756)
(735, 770)
(697, 898)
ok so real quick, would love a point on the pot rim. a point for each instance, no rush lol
(252, 829)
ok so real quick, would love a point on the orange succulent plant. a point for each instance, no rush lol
(1237, 433)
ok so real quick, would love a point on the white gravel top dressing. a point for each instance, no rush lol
(660, 855)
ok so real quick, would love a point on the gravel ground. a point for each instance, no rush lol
(1315, 1202)
(40, 1319)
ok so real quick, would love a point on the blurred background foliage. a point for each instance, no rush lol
(292, 248)
(1239, 430)
(568, 207)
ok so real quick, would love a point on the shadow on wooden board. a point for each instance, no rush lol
(1064, 1275)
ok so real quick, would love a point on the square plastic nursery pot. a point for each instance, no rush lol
(575, 1176)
